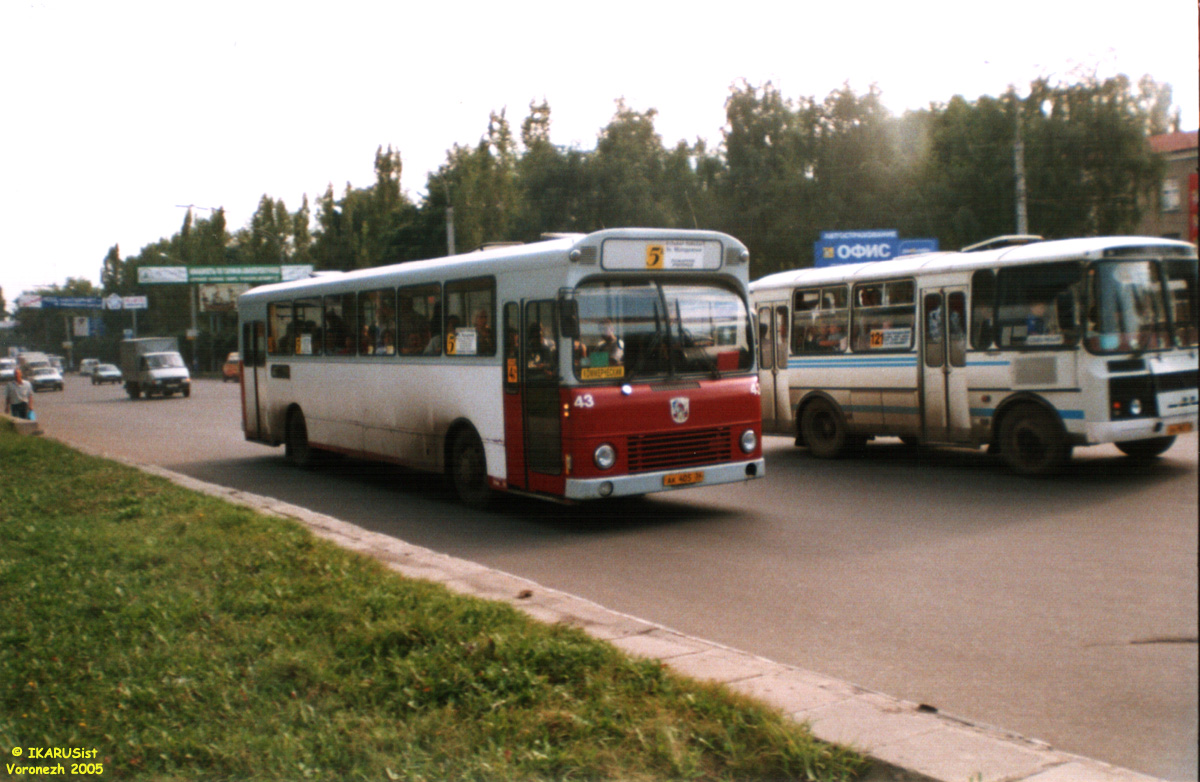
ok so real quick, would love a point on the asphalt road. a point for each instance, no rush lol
(1063, 609)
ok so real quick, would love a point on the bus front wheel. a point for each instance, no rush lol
(1146, 449)
(824, 429)
(468, 470)
(1032, 442)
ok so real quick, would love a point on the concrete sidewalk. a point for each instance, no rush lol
(905, 740)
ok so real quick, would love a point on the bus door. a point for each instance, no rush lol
(532, 414)
(945, 403)
(772, 364)
(254, 360)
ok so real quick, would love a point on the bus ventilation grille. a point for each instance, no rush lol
(665, 451)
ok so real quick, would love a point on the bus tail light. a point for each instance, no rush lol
(748, 441)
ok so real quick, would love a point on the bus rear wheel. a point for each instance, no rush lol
(468, 470)
(295, 445)
(1032, 442)
(1146, 449)
(824, 429)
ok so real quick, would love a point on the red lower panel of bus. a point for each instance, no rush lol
(655, 427)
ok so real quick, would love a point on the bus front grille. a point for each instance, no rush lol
(668, 450)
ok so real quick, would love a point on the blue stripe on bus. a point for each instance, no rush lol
(851, 363)
(990, 412)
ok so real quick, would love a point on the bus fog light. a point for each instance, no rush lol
(748, 441)
(1135, 407)
(606, 489)
(605, 457)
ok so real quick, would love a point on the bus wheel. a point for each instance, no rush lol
(824, 430)
(1032, 442)
(295, 447)
(468, 470)
(1146, 449)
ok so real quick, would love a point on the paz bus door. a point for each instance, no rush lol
(532, 414)
(773, 366)
(945, 404)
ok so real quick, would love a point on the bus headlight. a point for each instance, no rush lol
(605, 456)
(748, 441)
(1135, 407)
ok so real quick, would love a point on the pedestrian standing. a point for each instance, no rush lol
(18, 396)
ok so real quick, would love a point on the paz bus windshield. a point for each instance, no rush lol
(1142, 305)
(651, 328)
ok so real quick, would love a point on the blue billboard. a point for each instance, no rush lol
(839, 247)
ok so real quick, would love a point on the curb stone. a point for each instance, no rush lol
(906, 742)
(21, 425)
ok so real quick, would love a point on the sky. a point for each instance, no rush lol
(118, 114)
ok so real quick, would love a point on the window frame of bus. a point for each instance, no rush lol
(905, 309)
(349, 323)
(302, 329)
(277, 343)
(431, 292)
(464, 287)
(1006, 280)
(821, 318)
(377, 300)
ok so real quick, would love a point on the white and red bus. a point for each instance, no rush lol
(615, 363)
(1029, 347)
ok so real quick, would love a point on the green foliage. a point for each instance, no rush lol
(786, 169)
(185, 638)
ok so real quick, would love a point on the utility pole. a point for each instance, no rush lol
(1019, 165)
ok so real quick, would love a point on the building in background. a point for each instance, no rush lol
(1173, 214)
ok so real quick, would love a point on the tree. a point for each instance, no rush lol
(1088, 160)
(767, 191)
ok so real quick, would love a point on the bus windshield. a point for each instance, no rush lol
(648, 328)
(1133, 306)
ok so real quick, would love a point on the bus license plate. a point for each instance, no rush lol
(1179, 428)
(682, 478)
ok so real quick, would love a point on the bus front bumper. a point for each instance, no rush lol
(1139, 429)
(665, 480)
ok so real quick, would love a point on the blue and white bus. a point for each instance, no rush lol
(1030, 347)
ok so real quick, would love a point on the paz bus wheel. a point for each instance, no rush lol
(824, 429)
(468, 470)
(1032, 442)
(1146, 449)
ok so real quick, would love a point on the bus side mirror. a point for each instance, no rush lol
(568, 318)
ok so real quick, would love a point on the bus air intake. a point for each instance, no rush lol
(668, 450)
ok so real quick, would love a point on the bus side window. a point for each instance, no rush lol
(983, 309)
(280, 332)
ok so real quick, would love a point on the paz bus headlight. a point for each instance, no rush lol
(605, 456)
(748, 441)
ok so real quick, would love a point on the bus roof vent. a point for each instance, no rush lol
(998, 242)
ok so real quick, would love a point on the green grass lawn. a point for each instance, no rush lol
(182, 637)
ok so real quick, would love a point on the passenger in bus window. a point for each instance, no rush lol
(486, 345)
(610, 344)
(434, 348)
(540, 352)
